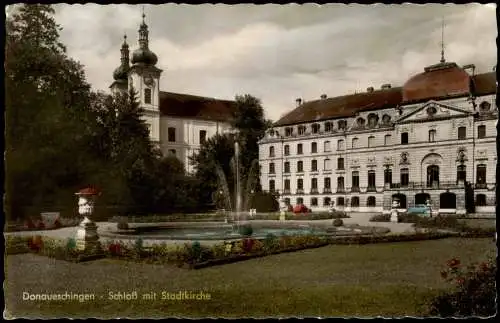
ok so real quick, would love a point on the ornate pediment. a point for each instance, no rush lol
(431, 111)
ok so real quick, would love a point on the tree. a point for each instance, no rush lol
(47, 122)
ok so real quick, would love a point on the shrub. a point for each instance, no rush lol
(337, 222)
(381, 218)
(270, 243)
(246, 230)
(264, 202)
(473, 292)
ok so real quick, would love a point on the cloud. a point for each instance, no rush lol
(280, 52)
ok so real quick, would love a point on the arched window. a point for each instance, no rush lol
(372, 120)
(371, 201)
(433, 176)
(286, 167)
(422, 198)
(314, 201)
(300, 166)
(340, 144)
(355, 201)
(401, 199)
(447, 200)
(355, 142)
(314, 165)
(271, 151)
(371, 141)
(327, 147)
(300, 200)
(287, 150)
(340, 201)
(387, 140)
(147, 96)
(327, 201)
(342, 124)
(328, 164)
(271, 185)
(314, 147)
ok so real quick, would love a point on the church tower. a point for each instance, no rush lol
(144, 78)
(120, 75)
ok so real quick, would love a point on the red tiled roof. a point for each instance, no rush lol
(195, 107)
(440, 80)
(484, 84)
(342, 106)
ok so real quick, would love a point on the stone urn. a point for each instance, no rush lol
(86, 236)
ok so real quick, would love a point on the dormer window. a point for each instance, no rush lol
(315, 128)
(360, 122)
(302, 130)
(386, 119)
(484, 106)
(328, 126)
(372, 120)
(342, 124)
(288, 131)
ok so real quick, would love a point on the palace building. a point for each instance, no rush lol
(178, 123)
(431, 140)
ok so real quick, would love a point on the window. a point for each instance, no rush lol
(287, 201)
(371, 141)
(405, 177)
(387, 140)
(461, 173)
(371, 201)
(327, 147)
(481, 174)
(271, 185)
(300, 200)
(480, 200)
(314, 185)
(314, 147)
(299, 149)
(286, 167)
(287, 150)
(327, 184)
(372, 120)
(288, 131)
(271, 151)
(462, 133)
(404, 138)
(172, 152)
(355, 181)
(432, 135)
(314, 165)
(387, 176)
(371, 180)
(328, 126)
(315, 128)
(481, 131)
(340, 163)
(300, 166)
(147, 96)
(328, 164)
(300, 184)
(355, 142)
(340, 183)
(302, 130)
(203, 139)
(340, 201)
(340, 144)
(432, 176)
(314, 201)
(355, 201)
(271, 168)
(171, 134)
(342, 124)
(287, 185)
(327, 201)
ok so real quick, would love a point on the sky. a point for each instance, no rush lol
(279, 53)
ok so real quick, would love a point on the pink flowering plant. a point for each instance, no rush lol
(473, 292)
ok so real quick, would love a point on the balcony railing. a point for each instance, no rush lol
(481, 185)
(340, 190)
(327, 190)
(300, 191)
(371, 189)
(355, 189)
(286, 191)
(314, 191)
(425, 185)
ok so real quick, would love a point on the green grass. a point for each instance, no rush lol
(393, 279)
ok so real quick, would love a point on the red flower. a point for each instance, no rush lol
(460, 280)
(453, 263)
(114, 248)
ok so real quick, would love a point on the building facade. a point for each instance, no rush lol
(432, 140)
(178, 123)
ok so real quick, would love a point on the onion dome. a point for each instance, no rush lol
(121, 72)
(143, 55)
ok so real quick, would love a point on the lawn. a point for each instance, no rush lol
(390, 279)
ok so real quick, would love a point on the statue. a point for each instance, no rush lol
(283, 209)
(394, 211)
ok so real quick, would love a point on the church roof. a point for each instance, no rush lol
(195, 107)
(348, 105)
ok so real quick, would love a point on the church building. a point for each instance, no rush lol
(178, 123)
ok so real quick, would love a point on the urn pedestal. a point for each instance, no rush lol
(87, 239)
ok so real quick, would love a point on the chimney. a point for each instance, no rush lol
(298, 101)
(385, 86)
(369, 89)
(323, 96)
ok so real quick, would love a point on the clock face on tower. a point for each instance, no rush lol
(148, 80)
